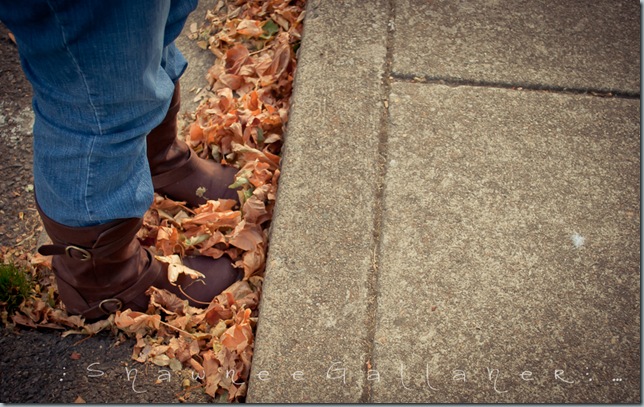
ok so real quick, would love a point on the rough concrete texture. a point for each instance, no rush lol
(464, 241)
(570, 44)
(314, 305)
(485, 190)
(199, 60)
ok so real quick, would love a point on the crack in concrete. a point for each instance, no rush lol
(451, 81)
(378, 208)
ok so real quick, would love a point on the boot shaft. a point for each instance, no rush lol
(101, 268)
(164, 151)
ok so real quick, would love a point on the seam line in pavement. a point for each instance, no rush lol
(449, 81)
(381, 162)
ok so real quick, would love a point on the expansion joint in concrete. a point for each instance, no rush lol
(450, 81)
(381, 162)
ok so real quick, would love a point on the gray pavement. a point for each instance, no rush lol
(458, 217)
(193, 80)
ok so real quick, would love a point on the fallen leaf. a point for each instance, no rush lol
(175, 365)
(133, 321)
(247, 235)
(212, 372)
(176, 268)
(167, 301)
(236, 57)
(250, 28)
(160, 360)
(239, 336)
(12, 37)
(270, 28)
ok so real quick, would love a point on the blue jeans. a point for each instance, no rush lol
(103, 74)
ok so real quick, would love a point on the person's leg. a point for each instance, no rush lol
(177, 171)
(103, 78)
(99, 88)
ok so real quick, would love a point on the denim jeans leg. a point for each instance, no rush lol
(103, 74)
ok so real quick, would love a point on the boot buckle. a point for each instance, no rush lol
(113, 304)
(84, 254)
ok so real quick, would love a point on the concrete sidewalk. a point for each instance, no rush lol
(458, 217)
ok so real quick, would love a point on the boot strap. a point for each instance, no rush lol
(79, 253)
(117, 237)
(116, 303)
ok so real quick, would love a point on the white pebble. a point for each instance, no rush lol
(577, 240)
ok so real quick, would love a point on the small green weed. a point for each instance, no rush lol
(14, 287)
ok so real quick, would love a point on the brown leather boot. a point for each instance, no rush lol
(102, 269)
(177, 172)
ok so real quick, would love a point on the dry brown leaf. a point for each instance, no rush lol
(217, 312)
(236, 57)
(253, 261)
(196, 366)
(250, 28)
(254, 211)
(176, 268)
(247, 235)
(168, 240)
(225, 219)
(133, 321)
(93, 328)
(39, 260)
(167, 301)
(212, 371)
(239, 336)
(232, 81)
(271, 72)
(247, 154)
(20, 319)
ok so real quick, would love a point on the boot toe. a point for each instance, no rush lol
(220, 274)
(197, 181)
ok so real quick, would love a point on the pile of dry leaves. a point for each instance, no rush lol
(240, 122)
